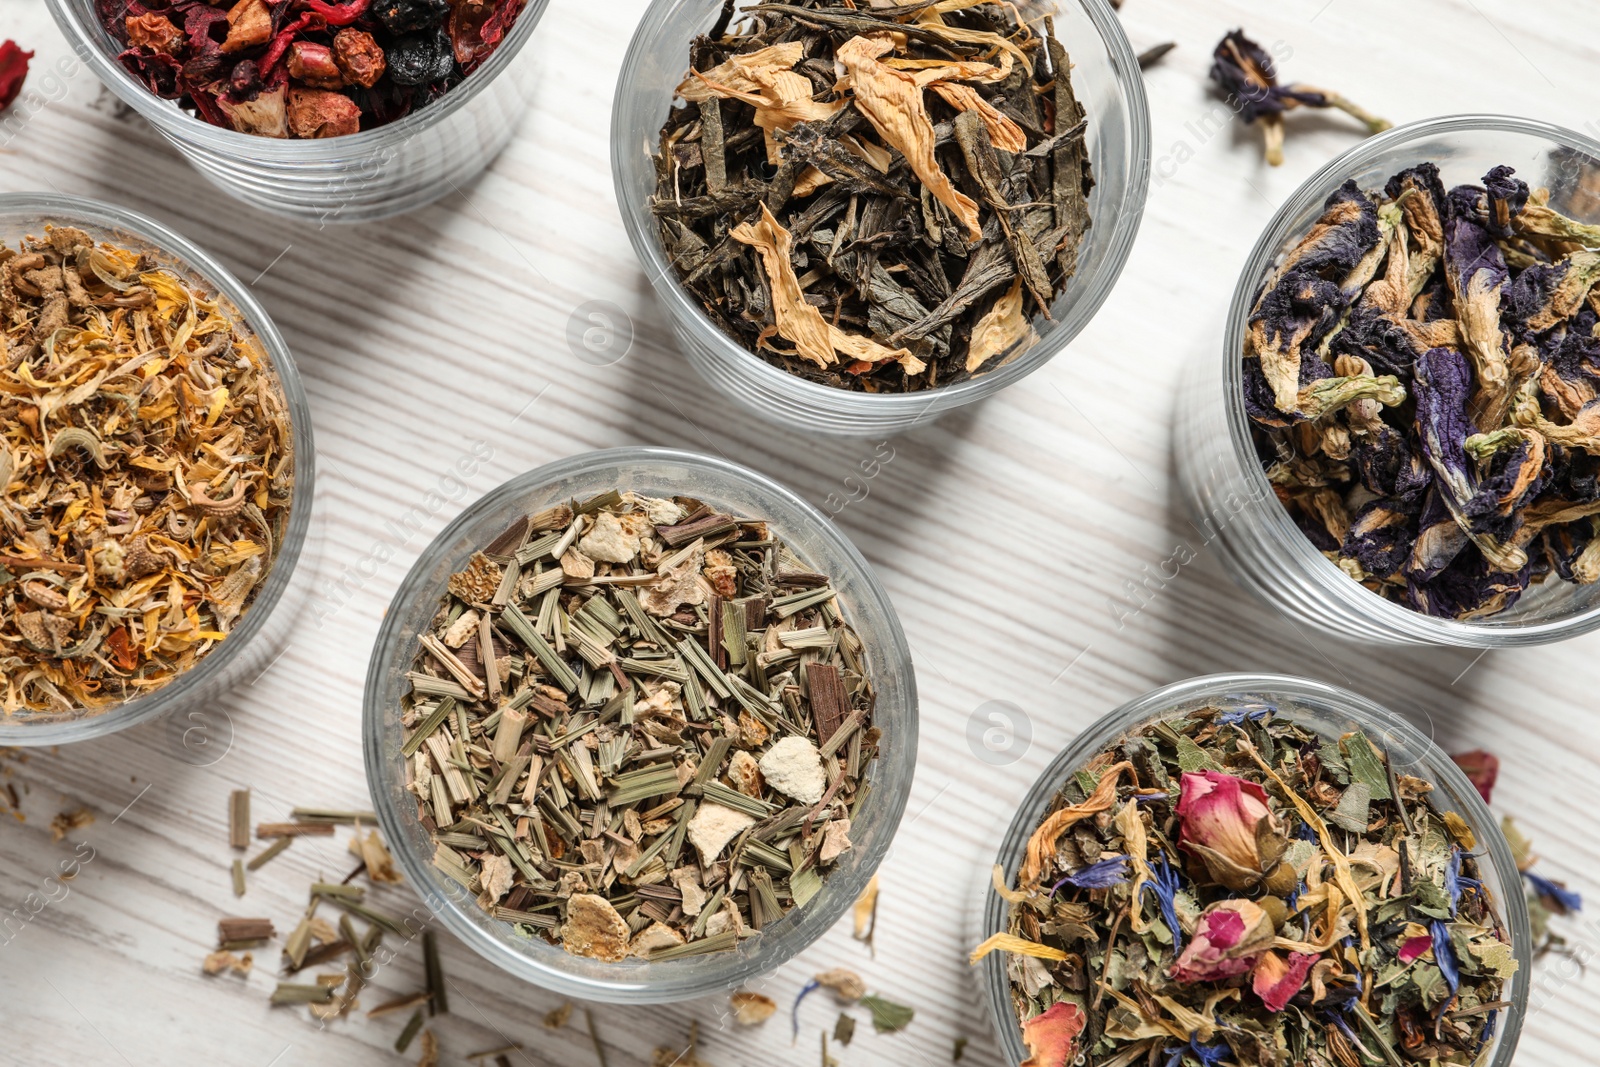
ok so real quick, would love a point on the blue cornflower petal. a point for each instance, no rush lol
(1165, 885)
(1101, 875)
(1208, 1055)
(794, 1012)
(1305, 833)
(1236, 715)
(1445, 955)
(1488, 1028)
(1558, 894)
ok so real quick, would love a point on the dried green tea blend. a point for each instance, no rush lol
(1421, 374)
(876, 198)
(1229, 886)
(146, 470)
(639, 727)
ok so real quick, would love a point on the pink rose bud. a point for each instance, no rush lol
(1052, 1036)
(1229, 937)
(1227, 824)
(1277, 978)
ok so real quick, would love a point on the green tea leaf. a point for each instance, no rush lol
(1365, 766)
(887, 1016)
(1353, 811)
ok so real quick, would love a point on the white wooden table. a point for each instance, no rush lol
(1003, 533)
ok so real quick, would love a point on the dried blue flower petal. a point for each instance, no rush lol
(1444, 954)
(1165, 885)
(1102, 874)
(1507, 197)
(1555, 895)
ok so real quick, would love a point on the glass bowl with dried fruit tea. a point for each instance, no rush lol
(1398, 449)
(1252, 869)
(640, 725)
(869, 290)
(320, 110)
(155, 473)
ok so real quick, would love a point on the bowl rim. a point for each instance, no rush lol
(1164, 701)
(91, 43)
(437, 893)
(68, 210)
(1351, 596)
(927, 403)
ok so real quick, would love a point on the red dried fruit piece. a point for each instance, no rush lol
(153, 31)
(13, 70)
(319, 113)
(359, 57)
(313, 64)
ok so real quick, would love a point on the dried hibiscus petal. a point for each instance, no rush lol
(13, 71)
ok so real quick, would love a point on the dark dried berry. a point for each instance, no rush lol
(411, 16)
(421, 58)
(246, 77)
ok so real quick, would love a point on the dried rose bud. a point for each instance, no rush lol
(1227, 824)
(319, 113)
(249, 25)
(313, 64)
(153, 31)
(1229, 937)
(359, 57)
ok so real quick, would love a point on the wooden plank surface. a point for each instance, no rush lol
(1005, 533)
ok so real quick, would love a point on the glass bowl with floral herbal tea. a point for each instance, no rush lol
(846, 205)
(1402, 451)
(643, 723)
(151, 483)
(333, 110)
(1255, 870)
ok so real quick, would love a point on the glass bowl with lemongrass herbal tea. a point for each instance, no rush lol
(860, 217)
(1255, 869)
(640, 725)
(324, 110)
(155, 476)
(1401, 447)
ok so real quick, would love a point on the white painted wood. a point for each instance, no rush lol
(1003, 533)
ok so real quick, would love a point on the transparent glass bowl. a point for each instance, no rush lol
(1105, 75)
(1225, 488)
(364, 176)
(657, 472)
(264, 627)
(1330, 712)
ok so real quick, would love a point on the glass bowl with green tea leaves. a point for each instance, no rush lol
(1255, 869)
(640, 725)
(155, 473)
(861, 217)
(1400, 447)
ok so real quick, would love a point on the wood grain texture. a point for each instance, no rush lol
(1005, 534)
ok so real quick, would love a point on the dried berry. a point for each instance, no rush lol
(411, 16)
(359, 57)
(421, 58)
(313, 64)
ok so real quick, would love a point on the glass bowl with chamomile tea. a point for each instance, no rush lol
(640, 725)
(319, 110)
(1400, 447)
(155, 473)
(861, 217)
(1237, 865)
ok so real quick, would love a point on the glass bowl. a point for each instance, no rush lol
(1328, 711)
(1227, 492)
(659, 472)
(369, 175)
(1105, 76)
(264, 627)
